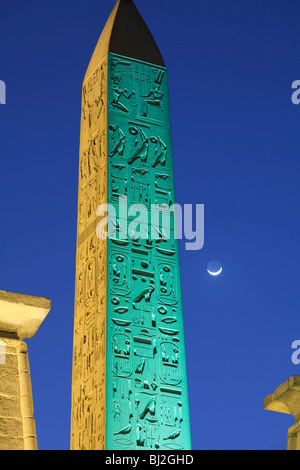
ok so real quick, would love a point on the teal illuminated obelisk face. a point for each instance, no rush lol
(146, 382)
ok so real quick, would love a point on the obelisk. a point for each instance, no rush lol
(129, 386)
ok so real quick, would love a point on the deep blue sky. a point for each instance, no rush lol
(236, 149)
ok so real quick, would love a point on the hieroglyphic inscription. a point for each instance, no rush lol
(88, 419)
(147, 403)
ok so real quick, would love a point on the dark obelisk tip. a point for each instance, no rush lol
(131, 37)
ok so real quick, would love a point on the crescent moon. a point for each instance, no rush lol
(215, 273)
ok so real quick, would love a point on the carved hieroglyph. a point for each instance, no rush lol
(129, 386)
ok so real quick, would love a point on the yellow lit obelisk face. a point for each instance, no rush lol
(89, 357)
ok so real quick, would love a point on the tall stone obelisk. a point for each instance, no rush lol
(129, 387)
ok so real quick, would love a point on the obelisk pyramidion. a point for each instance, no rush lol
(129, 386)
